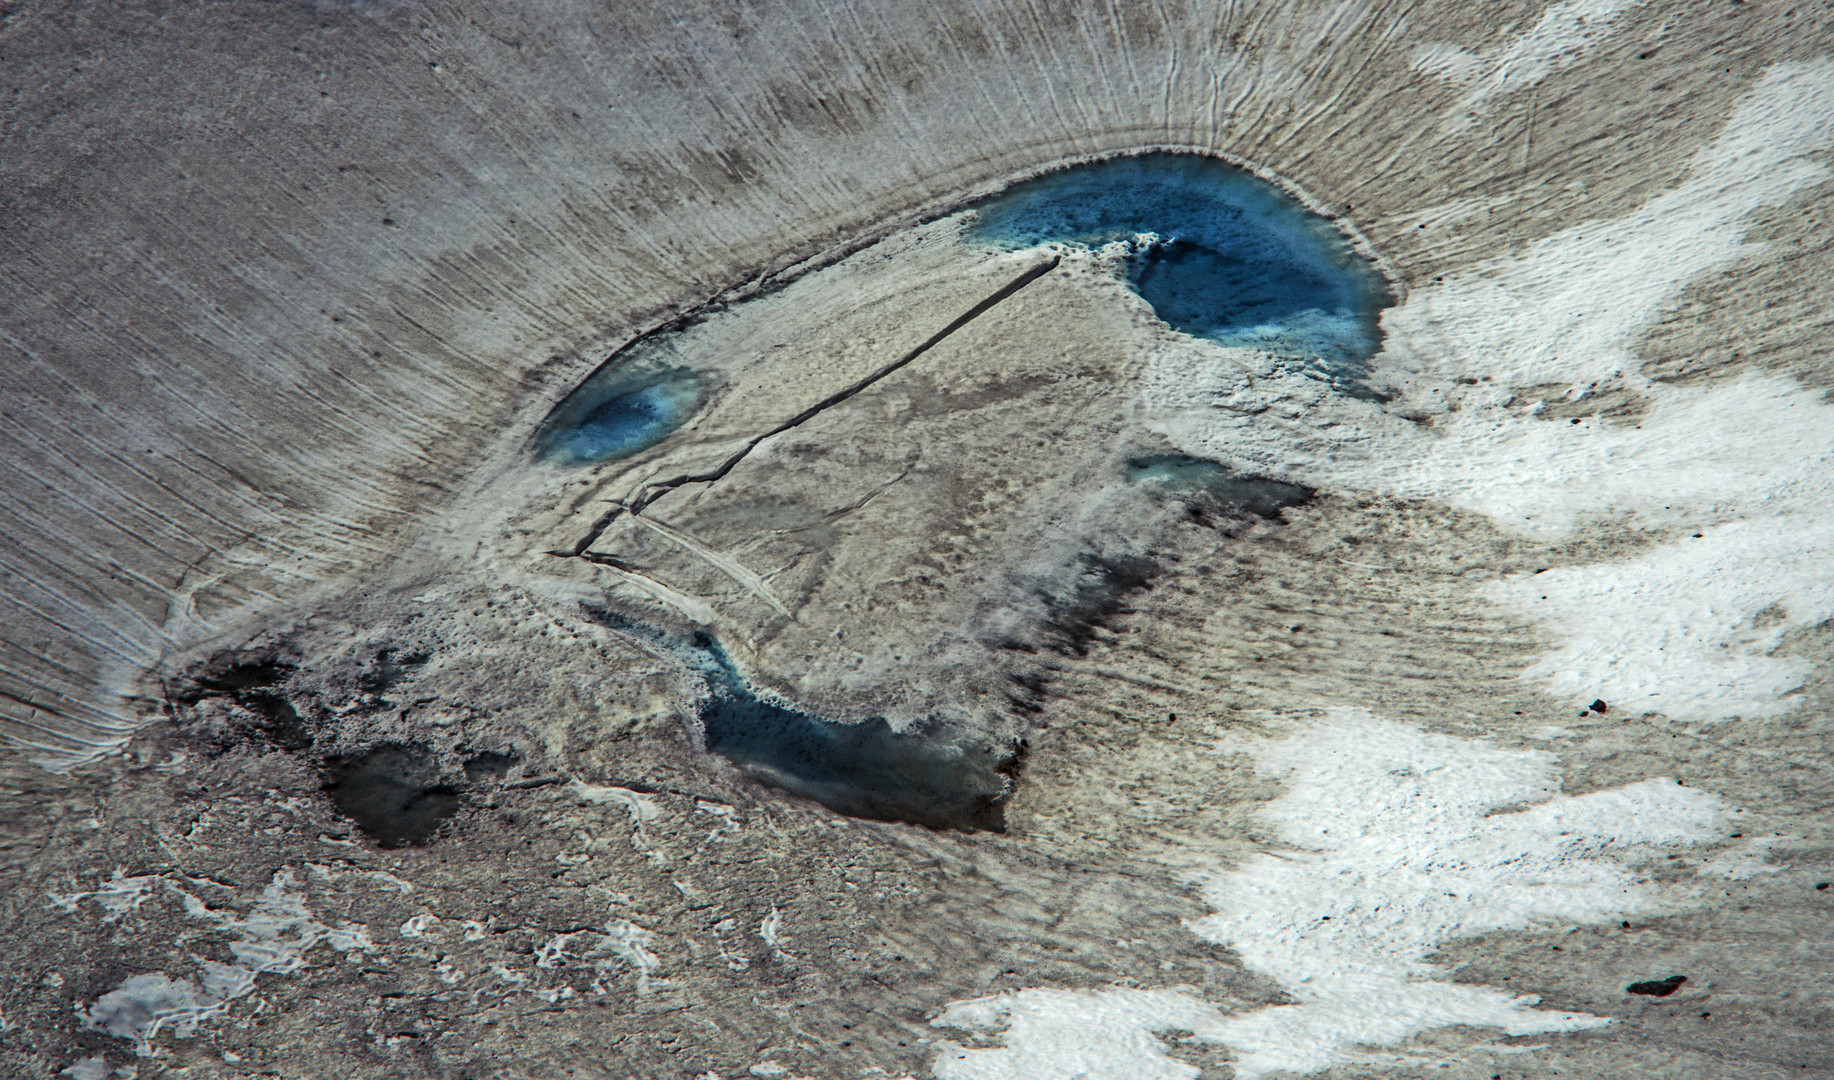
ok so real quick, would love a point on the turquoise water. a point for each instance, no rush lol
(1220, 254)
(619, 411)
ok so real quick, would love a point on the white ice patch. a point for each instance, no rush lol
(144, 1006)
(331, 873)
(1685, 628)
(1747, 860)
(1570, 306)
(771, 930)
(623, 944)
(1073, 1035)
(1688, 629)
(272, 937)
(641, 807)
(278, 930)
(1561, 36)
(631, 943)
(116, 897)
(95, 1067)
(1398, 851)
(420, 925)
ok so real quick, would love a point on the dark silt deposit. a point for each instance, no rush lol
(394, 792)
(1218, 252)
(1103, 588)
(255, 685)
(1212, 489)
(1657, 987)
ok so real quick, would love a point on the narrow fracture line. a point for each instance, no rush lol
(695, 608)
(741, 574)
(656, 491)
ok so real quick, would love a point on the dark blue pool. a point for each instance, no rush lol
(936, 776)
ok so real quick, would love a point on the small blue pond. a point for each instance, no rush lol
(1235, 259)
(618, 412)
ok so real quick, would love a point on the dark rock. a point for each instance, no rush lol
(1658, 987)
(489, 766)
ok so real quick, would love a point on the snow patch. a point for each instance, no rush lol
(272, 937)
(1687, 627)
(420, 925)
(326, 872)
(1746, 860)
(95, 1067)
(116, 897)
(1399, 852)
(278, 930)
(623, 944)
(143, 1006)
(639, 806)
(1564, 33)
(1395, 850)
(1074, 1035)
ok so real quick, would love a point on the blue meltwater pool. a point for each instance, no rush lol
(618, 412)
